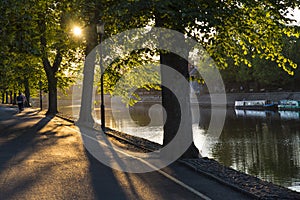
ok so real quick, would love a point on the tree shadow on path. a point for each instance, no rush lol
(19, 137)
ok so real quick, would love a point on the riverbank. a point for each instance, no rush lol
(205, 99)
(238, 180)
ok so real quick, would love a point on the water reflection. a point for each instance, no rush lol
(142, 120)
(287, 115)
(254, 113)
(262, 143)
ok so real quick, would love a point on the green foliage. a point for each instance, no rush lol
(253, 29)
(241, 33)
(265, 72)
(34, 32)
(132, 71)
(233, 32)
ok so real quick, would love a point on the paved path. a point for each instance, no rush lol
(44, 158)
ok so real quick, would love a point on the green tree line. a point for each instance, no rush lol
(37, 47)
(264, 75)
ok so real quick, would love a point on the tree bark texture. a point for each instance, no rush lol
(172, 105)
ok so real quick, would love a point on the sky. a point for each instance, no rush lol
(296, 13)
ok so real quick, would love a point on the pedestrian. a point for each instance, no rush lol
(20, 101)
(194, 76)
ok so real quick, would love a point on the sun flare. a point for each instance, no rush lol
(77, 31)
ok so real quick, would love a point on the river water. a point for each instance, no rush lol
(264, 144)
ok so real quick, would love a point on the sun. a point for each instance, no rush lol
(77, 31)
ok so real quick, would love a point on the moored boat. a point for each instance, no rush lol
(289, 105)
(255, 105)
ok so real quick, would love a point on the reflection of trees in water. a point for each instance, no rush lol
(268, 148)
(140, 114)
(204, 120)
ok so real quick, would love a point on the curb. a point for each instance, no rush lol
(238, 189)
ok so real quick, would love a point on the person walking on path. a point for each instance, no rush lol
(194, 76)
(21, 100)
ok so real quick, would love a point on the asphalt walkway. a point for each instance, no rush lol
(44, 158)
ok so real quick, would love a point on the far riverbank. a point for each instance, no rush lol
(232, 97)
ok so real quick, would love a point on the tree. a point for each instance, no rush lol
(40, 32)
(54, 26)
(264, 73)
(291, 50)
(229, 30)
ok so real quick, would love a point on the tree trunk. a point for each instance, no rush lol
(6, 97)
(11, 97)
(52, 91)
(15, 98)
(52, 83)
(3, 97)
(174, 117)
(85, 116)
(27, 92)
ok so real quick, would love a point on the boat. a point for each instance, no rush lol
(255, 105)
(295, 186)
(289, 105)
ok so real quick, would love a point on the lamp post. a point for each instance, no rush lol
(100, 32)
